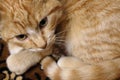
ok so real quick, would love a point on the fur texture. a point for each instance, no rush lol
(28, 27)
(90, 31)
(92, 39)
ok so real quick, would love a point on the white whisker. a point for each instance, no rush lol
(61, 32)
(60, 40)
(59, 37)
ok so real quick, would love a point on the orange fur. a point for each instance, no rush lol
(90, 29)
(28, 26)
(92, 40)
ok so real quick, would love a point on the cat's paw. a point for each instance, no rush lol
(60, 72)
(50, 68)
(69, 62)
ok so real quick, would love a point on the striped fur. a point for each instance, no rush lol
(91, 36)
(92, 40)
(20, 26)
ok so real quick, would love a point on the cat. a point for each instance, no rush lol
(28, 27)
(91, 30)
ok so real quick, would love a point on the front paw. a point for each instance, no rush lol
(51, 68)
(70, 62)
(21, 62)
(61, 71)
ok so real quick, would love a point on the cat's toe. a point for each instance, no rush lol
(47, 61)
(50, 68)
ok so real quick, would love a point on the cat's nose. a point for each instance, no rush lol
(40, 43)
(43, 46)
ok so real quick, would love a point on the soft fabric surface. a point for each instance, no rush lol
(35, 73)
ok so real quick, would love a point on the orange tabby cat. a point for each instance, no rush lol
(28, 27)
(92, 40)
(91, 37)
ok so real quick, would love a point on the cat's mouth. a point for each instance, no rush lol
(47, 48)
(41, 49)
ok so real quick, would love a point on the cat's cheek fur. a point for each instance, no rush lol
(21, 62)
(15, 50)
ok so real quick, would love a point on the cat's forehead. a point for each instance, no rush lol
(25, 12)
(17, 15)
(19, 9)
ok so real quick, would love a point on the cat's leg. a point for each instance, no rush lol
(73, 70)
(51, 68)
(22, 61)
(58, 71)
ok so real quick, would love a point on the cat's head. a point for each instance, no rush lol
(29, 24)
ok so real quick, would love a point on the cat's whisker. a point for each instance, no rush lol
(52, 39)
(60, 40)
(58, 43)
(61, 32)
(59, 37)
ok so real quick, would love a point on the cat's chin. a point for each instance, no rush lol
(21, 62)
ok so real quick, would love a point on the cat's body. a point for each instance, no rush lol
(94, 27)
(90, 29)
(93, 30)
(92, 40)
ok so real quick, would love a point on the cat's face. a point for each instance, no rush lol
(28, 27)
(28, 24)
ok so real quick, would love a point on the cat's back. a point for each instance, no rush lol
(93, 29)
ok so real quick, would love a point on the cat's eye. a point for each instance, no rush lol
(21, 37)
(43, 22)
